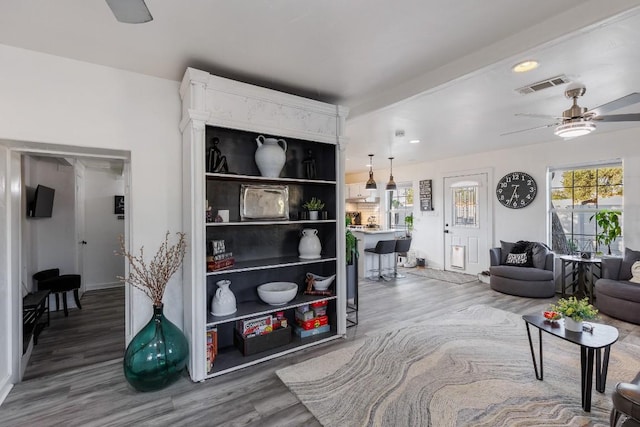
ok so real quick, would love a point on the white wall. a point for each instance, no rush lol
(102, 229)
(528, 223)
(59, 102)
(52, 243)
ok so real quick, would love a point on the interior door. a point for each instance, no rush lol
(466, 223)
(79, 169)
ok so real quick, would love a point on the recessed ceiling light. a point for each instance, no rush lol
(524, 66)
(414, 141)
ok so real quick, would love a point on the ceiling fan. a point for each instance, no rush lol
(578, 121)
(130, 11)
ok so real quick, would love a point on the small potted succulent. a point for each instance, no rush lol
(313, 206)
(574, 311)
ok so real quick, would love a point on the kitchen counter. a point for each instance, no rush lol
(369, 238)
(372, 231)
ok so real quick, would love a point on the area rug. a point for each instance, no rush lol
(446, 276)
(470, 368)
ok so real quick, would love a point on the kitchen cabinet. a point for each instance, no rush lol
(228, 116)
(359, 191)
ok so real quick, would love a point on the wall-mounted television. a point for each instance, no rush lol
(40, 201)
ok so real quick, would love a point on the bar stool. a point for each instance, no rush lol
(402, 246)
(383, 247)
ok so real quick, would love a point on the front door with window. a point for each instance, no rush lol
(466, 223)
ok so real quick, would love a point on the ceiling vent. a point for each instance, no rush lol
(544, 84)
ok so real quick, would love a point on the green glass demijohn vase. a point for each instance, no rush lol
(157, 355)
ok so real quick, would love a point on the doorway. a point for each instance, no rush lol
(80, 237)
(20, 265)
(467, 222)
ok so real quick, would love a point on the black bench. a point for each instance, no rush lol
(34, 306)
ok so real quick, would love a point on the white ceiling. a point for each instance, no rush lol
(437, 69)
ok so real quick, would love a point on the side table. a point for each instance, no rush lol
(583, 275)
(591, 344)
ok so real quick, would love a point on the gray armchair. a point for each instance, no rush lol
(626, 404)
(534, 281)
(615, 295)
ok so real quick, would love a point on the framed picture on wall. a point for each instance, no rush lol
(118, 205)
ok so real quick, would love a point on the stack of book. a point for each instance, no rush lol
(311, 319)
(218, 257)
(212, 347)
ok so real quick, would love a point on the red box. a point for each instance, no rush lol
(313, 323)
(317, 304)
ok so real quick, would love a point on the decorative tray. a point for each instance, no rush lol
(264, 202)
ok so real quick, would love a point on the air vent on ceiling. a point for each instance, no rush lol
(544, 84)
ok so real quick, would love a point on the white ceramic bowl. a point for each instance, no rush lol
(321, 283)
(277, 293)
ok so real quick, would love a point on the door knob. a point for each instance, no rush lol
(446, 231)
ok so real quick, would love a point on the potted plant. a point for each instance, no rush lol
(574, 311)
(158, 354)
(351, 244)
(408, 220)
(313, 206)
(609, 223)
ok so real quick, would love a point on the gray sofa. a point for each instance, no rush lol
(534, 281)
(615, 295)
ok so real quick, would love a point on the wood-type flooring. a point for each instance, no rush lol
(98, 395)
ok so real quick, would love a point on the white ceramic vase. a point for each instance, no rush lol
(572, 325)
(270, 156)
(309, 246)
(224, 301)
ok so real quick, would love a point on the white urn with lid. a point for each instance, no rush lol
(309, 246)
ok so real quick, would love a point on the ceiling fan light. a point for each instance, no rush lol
(371, 184)
(572, 130)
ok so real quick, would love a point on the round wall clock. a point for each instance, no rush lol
(516, 190)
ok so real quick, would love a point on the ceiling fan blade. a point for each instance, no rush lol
(618, 118)
(538, 116)
(632, 98)
(527, 130)
(130, 11)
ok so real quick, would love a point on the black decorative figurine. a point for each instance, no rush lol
(309, 165)
(216, 162)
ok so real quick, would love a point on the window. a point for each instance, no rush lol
(576, 195)
(465, 206)
(399, 205)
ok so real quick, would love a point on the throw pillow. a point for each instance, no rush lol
(630, 256)
(635, 272)
(518, 260)
(505, 249)
(540, 251)
(519, 248)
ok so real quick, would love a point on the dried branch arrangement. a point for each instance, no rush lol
(152, 278)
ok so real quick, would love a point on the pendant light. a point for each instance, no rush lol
(371, 184)
(391, 185)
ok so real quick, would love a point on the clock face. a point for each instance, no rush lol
(516, 190)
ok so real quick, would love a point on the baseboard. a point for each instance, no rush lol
(5, 387)
(98, 286)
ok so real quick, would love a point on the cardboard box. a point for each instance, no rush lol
(307, 315)
(302, 333)
(259, 343)
(316, 322)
